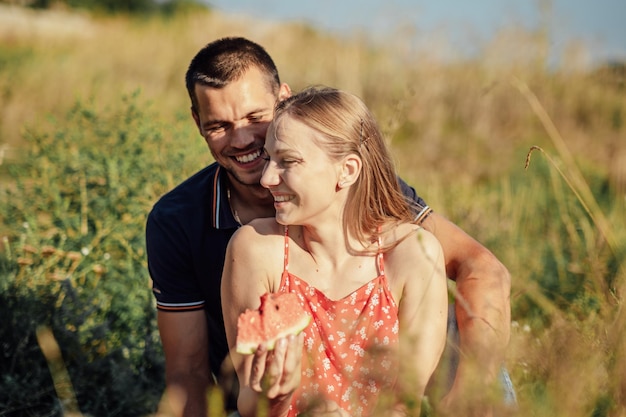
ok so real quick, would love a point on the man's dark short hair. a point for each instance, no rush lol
(225, 60)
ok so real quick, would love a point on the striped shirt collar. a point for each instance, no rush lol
(222, 215)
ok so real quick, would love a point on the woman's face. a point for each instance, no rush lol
(299, 174)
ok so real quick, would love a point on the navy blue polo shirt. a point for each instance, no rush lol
(187, 233)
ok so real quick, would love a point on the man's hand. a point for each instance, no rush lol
(474, 395)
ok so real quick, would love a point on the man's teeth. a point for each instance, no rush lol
(248, 158)
(282, 198)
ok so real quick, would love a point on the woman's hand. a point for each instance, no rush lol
(277, 372)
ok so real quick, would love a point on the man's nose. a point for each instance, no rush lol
(241, 135)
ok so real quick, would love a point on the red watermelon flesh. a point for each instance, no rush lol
(279, 315)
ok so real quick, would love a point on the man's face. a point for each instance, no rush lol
(233, 121)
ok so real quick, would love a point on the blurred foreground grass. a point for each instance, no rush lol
(95, 126)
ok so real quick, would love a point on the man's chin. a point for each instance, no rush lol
(248, 179)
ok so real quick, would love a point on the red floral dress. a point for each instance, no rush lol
(350, 346)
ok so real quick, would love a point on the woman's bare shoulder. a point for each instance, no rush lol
(259, 230)
(258, 235)
(410, 236)
(416, 245)
(256, 250)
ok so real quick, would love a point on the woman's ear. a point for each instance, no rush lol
(350, 170)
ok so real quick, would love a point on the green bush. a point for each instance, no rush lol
(74, 261)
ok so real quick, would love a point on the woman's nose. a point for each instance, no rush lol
(270, 175)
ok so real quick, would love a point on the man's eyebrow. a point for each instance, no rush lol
(213, 122)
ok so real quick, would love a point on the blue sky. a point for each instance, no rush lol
(599, 24)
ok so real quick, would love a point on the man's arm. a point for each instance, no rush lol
(185, 343)
(482, 306)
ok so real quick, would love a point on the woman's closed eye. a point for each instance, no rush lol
(288, 162)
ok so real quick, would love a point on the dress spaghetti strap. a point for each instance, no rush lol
(286, 260)
(380, 258)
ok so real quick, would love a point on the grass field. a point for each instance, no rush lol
(95, 126)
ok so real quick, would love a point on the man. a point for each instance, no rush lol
(233, 85)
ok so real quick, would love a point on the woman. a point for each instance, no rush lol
(344, 241)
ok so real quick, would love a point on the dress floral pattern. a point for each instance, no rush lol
(349, 346)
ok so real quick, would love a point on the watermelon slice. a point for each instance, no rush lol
(279, 315)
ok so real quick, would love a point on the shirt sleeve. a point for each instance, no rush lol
(420, 208)
(170, 265)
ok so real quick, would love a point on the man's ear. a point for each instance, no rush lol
(196, 119)
(284, 92)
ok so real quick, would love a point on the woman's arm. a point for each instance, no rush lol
(249, 269)
(423, 314)
(240, 290)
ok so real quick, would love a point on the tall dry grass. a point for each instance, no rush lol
(461, 131)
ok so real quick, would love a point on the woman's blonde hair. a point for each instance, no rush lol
(375, 202)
